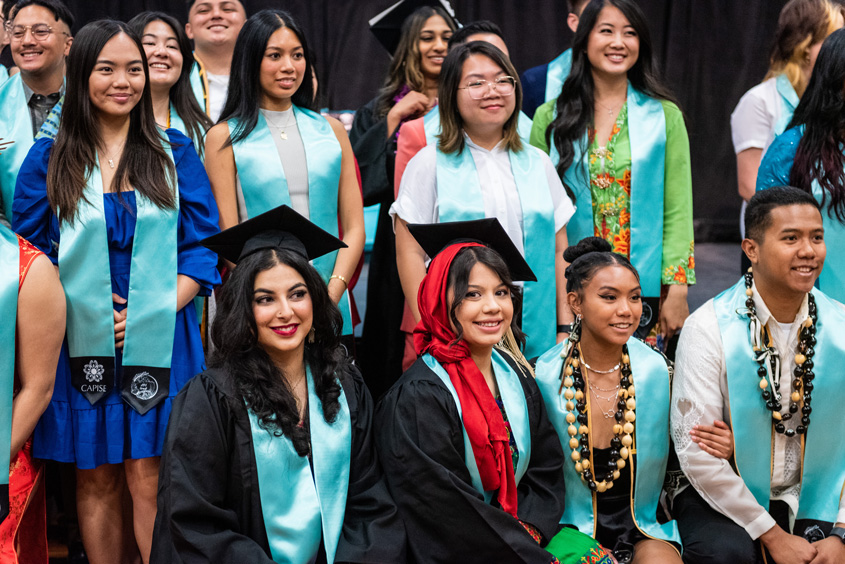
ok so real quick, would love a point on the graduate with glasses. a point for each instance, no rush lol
(481, 168)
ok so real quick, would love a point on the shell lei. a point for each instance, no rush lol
(573, 389)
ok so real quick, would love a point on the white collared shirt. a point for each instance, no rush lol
(700, 396)
(417, 198)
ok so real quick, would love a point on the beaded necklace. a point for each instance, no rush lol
(572, 387)
(803, 371)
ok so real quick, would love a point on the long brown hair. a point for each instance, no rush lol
(406, 66)
(451, 123)
(145, 165)
(801, 23)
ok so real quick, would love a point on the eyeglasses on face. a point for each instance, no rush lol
(39, 31)
(478, 89)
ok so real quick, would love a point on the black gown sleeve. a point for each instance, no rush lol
(208, 504)
(373, 531)
(376, 154)
(420, 439)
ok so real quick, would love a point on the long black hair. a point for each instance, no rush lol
(181, 94)
(244, 96)
(575, 105)
(821, 111)
(145, 165)
(255, 376)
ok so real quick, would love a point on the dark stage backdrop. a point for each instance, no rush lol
(712, 51)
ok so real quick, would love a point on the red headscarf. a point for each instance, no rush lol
(483, 421)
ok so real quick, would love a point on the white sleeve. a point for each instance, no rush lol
(753, 119)
(417, 198)
(563, 206)
(699, 397)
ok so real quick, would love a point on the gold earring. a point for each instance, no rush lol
(311, 335)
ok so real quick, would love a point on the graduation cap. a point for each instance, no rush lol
(434, 237)
(279, 228)
(387, 26)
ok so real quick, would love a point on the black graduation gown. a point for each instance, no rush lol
(382, 343)
(209, 508)
(420, 440)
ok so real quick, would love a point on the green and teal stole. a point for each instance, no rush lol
(199, 84)
(789, 101)
(10, 254)
(431, 125)
(513, 398)
(647, 133)
(265, 187)
(301, 507)
(823, 463)
(459, 198)
(651, 378)
(556, 74)
(16, 126)
(151, 321)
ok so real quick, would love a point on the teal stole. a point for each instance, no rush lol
(513, 398)
(199, 84)
(264, 185)
(789, 101)
(300, 507)
(431, 125)
(17, 127)
(4, 74)
(651, 446)
(832, 278)
(556, 74)
(459, 197)
(823, 464)
(176, 122)
(85, 274)
(9, 282)
(647, 134)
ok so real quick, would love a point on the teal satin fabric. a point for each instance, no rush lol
(264, 184)
(556, 74)
(823, 473)
(459, 197)
(9, 280)
(513, 398)
(647, 134)
(198, 86)
(789, 101)
(17, 127)
(300, 508)
(85, 275)
(651, 440)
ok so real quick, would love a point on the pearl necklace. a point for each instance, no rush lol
(590, 368)
(572, 387)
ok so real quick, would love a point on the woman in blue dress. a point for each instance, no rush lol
(120, 206)
(808, 155)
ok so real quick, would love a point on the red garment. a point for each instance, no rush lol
(482, 418)
(24, 531)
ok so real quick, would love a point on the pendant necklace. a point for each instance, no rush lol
(110, 156)
(282, 134)
(610, 110)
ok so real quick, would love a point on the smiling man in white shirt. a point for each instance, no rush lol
(767, 356)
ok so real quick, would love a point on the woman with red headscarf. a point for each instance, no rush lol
(470, 457)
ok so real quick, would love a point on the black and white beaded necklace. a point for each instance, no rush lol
(761, 343)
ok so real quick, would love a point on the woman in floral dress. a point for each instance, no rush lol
(620, 144)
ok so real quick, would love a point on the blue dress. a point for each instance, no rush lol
(73, 430)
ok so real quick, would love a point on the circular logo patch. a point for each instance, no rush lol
(645, 319)
(144, 386)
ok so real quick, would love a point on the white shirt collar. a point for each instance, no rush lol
(499, 148)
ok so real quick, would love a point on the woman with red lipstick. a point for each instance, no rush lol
(593, 386)
(481, 168)
(620, 145)
(170, 60)
(271, 148)
(119, 205)
(269, 455)
(409, 91)
(469, 454)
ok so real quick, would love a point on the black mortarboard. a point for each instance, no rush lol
(434, 237)
(387, 25)
(279, 228)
